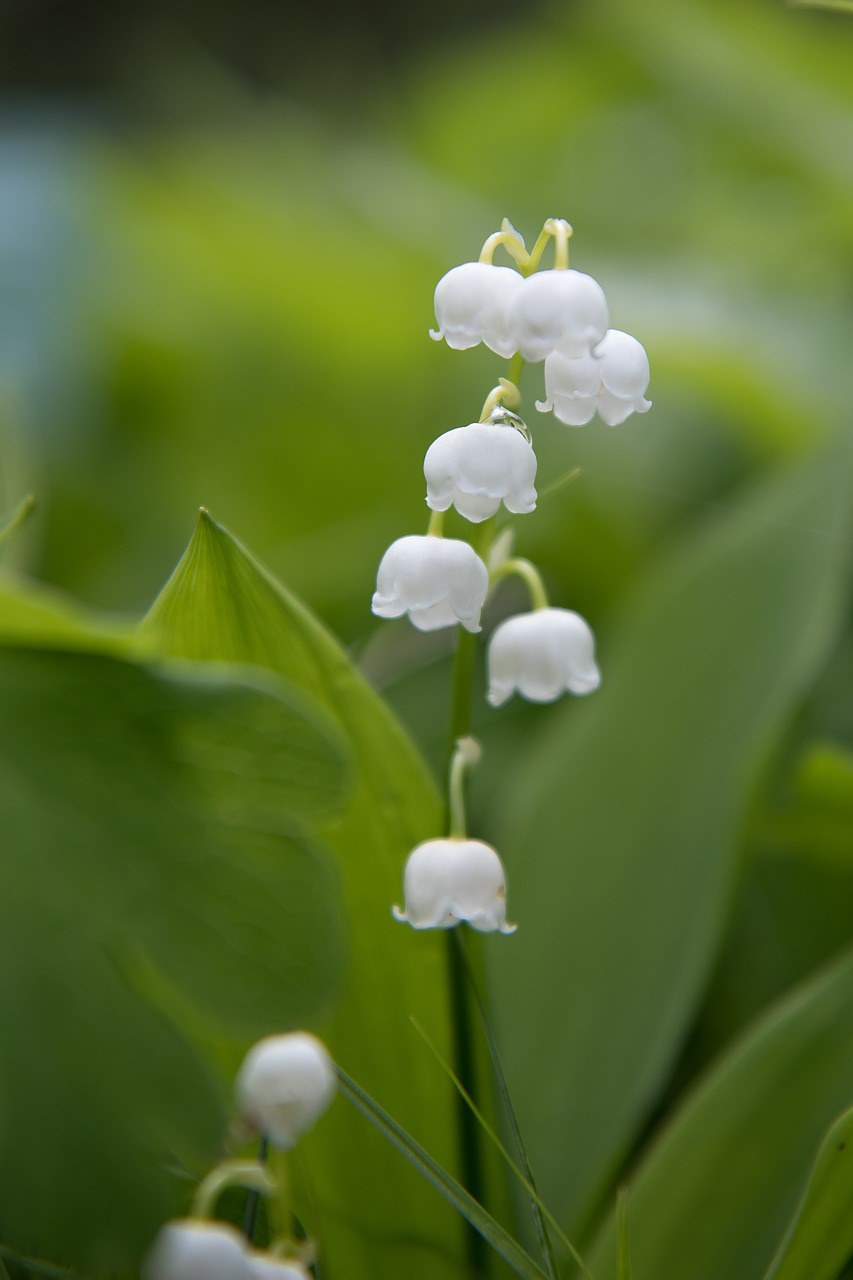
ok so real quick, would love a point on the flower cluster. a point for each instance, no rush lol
(285, 1084)
(559, 316)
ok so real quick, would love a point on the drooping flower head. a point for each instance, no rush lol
(477, 467)
(450, 881)
(285, 1084)
(612, 381)
(541, 655)
(558, 308)
(472, 304)
(191, 1249)
(436, 581)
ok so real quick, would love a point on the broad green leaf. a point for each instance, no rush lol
(716, 1191)
(621, 827)
(377, 1222)
(455, 1194)
(31, 613)
(794, 908)
(819, 1240)
(149, 848)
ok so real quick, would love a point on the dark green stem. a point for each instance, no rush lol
(252, 1203)
(470, 1138)
(461, 1010)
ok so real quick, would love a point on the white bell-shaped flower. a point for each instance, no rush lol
(450, 881)
(541, 655)
(558, 308)
(611, 381)
(190, 1249)
(436, 581)
(284, 1084)
(265, 1267)
(472, 305)
(477, 467)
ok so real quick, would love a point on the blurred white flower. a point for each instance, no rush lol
(265, 1267)
(454, 880)
(565, 308)
(476, 467)
(472, 305)
(191, 1249)
(612, 381)
(541, 655)
(436, 581)
(284, 1084)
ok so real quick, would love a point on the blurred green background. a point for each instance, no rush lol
(219, 236)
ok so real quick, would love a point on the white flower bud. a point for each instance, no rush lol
(436, 581)
(450, 881)
(558, 308)
(611, 381)
(190, 1249)
(265, 1267)
(285, 1083)
(541, 655)
(476, 467)
(472, 304)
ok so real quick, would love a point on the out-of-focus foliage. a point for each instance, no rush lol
(714, 1195)
(620, 828)
(154, 868)
(228, 304)
(221, 605)
(819, 1240)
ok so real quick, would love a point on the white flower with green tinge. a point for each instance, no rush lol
(285, 1084)
(191, 1249)
(611, 381)
(436, 581)
(477, 467)
(448, 882)
(472, 305)
(541, 655)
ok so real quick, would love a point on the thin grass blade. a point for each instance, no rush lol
(535, 1198)
(544, 1238)
(473, 1212)
(10, 526)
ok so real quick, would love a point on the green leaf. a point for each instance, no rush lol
(153, 862)
(819, 1240)
(455, 1194)
(716, 1191)
(32, 614)
(377, 1223)
(620, 828)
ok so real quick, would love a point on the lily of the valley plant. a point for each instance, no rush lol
(486, 470)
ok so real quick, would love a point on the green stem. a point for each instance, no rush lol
(461, 1010)
(231, 1173)
(515, 369)
(436, 525)
(284, 1222)
(532, 578)
(466, 754)
(253, 1201)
